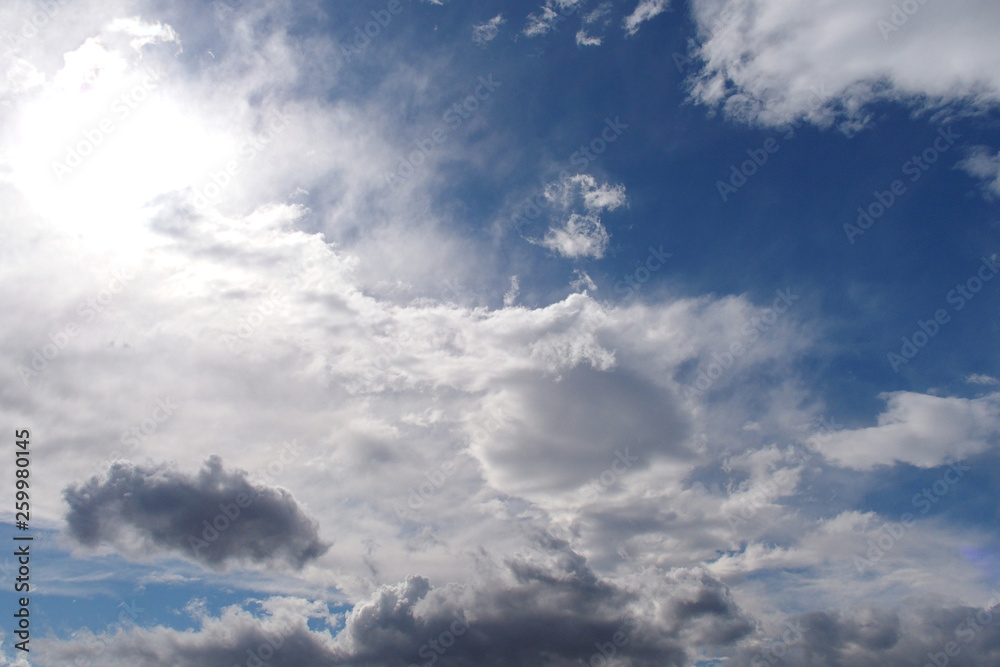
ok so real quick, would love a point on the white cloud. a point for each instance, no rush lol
(986, 380)
(918, 429)
(305, 303)
(144, 33)
(510, 296)
(582, 281)
(779, 61)
(982, 164)
(487, 32)
(579, 236)
(552, 12)
(583, 39)
(578, 200)
(644, 11)
(595, 15)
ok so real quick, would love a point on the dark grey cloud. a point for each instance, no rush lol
(238, 638)
(545, 607)
(954, 636)
(215, 517)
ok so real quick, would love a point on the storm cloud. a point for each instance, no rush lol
(216, 517)
(541, 607)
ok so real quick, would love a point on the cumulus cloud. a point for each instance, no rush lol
(583, 39)
(644, 11)
(302, 300)
(542, 605)
(918, 429)
(775, 62)
(484, 33)
(216, 517)
(872, 637)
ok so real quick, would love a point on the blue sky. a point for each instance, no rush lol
(504, 316)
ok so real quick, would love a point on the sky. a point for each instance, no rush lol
(562, 332)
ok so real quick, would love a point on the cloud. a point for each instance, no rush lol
(280, 637)
(544, 604)
(598, 13)
(583, 39)
(144, 33)
(570, 429)
(982, 164)
(552, 12)
(871, 637)
(487, 32)
(780, 61)
(918, 429)
(581, 234)
(644, 11)
(216, 518)
(510, 296)
(986, 380)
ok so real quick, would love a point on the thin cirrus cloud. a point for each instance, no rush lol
(484, 33)
(644, 11)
